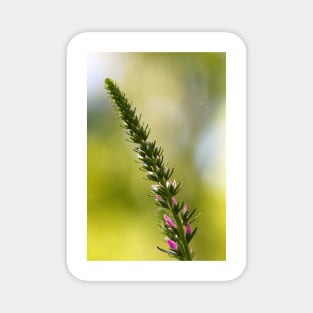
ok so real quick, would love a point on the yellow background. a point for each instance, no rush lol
(182, 98)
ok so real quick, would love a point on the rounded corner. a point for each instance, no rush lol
(238, 272)
(237, 39)
(75, 40)
(75, 274)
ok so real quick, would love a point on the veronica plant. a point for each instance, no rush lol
(174, 217)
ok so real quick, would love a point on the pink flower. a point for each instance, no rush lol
(169, 222)
(185, 208)
(158, 198)
(155, 187)
(172, 244)
(174, 201)
(188, 229)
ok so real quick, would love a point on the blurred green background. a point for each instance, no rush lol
(182, 98)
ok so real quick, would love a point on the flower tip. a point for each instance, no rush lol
(108, 82)
(185, 208)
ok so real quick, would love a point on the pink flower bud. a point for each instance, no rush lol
(158, 198)
(172, 244)
(171, 183)
(188, 229)
(174, 201)
(169, 222)
(185, 208)
(155, 187)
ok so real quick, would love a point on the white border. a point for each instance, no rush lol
(77, 51)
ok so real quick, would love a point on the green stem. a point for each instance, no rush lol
(180, 229)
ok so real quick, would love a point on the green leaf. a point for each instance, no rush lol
(194, 218)
(170, 252)
(190, 215)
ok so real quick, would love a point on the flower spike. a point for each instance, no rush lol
(177, 229)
